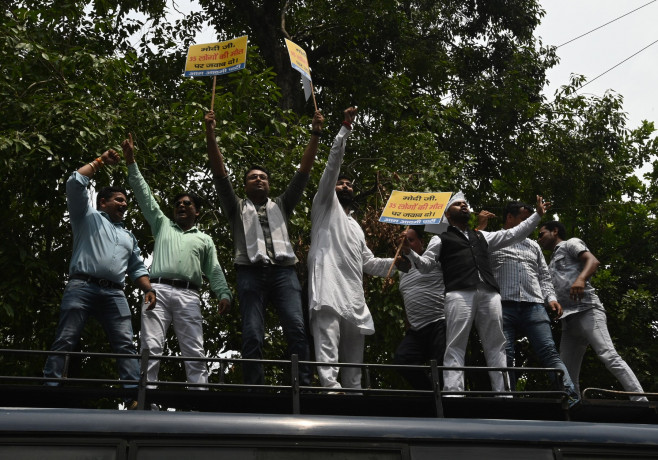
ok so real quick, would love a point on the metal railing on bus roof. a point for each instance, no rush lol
(142, 385)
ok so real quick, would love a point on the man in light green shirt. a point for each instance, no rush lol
(181, 256)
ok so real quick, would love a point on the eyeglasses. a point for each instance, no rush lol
(262, 177)
(185, 202)
(541, 234)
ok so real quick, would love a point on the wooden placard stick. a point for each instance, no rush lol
(315, 104)
(397, 253)
(212, 101)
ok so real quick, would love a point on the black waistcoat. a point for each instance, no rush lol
(462, 260)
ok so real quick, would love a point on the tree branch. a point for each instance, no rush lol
(283, 20)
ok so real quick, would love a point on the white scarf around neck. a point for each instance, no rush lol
(254, 238)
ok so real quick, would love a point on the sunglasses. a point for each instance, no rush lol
(185, 202)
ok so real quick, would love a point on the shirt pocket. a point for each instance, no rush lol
(560, 263)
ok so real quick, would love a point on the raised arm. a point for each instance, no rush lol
(214, 155)
(149, 207)
(109, 157)
(77, 197)
(503, 238)
(327, 185)
(128, 147)
(308, 158)
(483, 219)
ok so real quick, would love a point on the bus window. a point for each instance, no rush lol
(466, 452)
(201, 452)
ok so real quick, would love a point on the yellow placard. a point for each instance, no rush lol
(415, 208)
(298, 59)
(216, 58)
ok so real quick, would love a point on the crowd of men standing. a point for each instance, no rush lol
(498, 281)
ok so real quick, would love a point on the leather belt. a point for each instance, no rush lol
(176, 283)
(101, 282)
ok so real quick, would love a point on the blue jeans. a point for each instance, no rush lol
(527, 319)
(258, 285)
(82, 299)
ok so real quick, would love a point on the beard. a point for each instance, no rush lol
(345, 198)
(459, 217)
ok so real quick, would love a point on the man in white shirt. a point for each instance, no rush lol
(337, 259)
(472, 294)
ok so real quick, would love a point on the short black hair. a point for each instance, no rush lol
(258, 167)
(193, 196)
(344, 176)
(514, 208)
(419, 229)
(108, 192)
(552, 225)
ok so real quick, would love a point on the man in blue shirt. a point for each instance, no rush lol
(104, 252)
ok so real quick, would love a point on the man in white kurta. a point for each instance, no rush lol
(337, 259)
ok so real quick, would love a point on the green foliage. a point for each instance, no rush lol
(68, 105)
(450, 98)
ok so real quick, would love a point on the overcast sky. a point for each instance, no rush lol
(606, 47)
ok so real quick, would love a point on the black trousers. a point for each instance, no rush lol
(418, 348)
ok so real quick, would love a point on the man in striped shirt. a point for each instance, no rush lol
(528, 298)
(423, 295)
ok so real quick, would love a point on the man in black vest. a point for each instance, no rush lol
(472, 294)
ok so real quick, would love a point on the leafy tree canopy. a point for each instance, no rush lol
(450, 97)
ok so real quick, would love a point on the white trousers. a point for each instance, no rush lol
(480, 306)
(590, 327)
(182, 308)
(337, 341)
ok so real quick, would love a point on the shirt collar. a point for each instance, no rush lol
(190, 230)
(459, 230)
(107, 216)
(555, 249)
